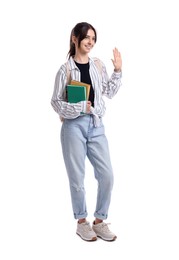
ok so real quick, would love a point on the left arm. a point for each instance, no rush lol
(117, 60)
(112, 85)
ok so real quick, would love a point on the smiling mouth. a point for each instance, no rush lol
(89, 46)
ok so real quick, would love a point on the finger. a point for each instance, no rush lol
(116, 53)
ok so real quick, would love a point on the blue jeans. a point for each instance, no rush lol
(79, 139)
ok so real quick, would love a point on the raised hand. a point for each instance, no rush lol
(117, 60)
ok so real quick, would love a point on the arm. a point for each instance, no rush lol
(58, 100)
(112, 85)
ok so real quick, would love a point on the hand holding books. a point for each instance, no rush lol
(88, 107)
(78, 91)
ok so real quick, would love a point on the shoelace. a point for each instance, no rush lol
(87, 226)
(105, 228)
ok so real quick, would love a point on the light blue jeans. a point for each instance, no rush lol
(79, 139)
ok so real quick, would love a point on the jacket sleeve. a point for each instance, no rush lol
(59, 101)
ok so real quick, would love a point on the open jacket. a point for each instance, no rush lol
(102, 84)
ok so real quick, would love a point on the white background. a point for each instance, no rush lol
(36, 220)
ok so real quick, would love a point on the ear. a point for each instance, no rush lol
(74, 39)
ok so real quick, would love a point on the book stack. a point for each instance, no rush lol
(77, 91)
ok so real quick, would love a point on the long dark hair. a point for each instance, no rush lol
(79, 31)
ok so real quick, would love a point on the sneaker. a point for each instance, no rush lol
(85, 231)
(103, 231)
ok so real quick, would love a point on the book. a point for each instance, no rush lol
(76, 93)
(79, 83)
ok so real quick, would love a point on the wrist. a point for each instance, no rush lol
(117, 70)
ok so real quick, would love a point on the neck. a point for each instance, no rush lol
(81, 59)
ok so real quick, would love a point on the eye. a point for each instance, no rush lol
(93, 38)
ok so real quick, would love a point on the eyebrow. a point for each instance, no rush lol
(90, 36)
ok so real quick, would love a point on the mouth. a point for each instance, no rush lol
(88, 47)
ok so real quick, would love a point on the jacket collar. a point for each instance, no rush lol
(72, 65)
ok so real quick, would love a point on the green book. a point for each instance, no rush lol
(76, 93)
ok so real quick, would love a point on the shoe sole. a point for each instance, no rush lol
(111, 240)
(91, 240)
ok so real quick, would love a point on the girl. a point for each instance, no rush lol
(82, 132)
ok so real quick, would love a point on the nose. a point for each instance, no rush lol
(90, 41)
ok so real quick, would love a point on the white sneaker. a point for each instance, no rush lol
(85, 231)
(103, 231)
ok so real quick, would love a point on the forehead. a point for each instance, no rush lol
(91, 33)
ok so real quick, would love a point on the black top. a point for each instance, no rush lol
(85, 78)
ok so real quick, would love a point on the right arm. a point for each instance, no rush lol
(58, 100)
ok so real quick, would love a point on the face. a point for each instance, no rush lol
(88, 42)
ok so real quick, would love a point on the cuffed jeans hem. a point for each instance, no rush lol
(100, 216)
(76, 216)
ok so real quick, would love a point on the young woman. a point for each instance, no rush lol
(82, 131)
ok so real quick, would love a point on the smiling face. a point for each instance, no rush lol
(86, 44)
